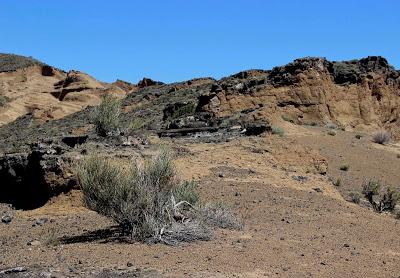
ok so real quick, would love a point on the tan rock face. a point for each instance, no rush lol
(49, 93)
(309, 90)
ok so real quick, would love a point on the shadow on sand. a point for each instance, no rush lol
(110, 234)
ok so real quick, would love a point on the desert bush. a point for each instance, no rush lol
(136, 124)
(287, 118)
(106, 115)
(135, 198)
(370, 189)
(187, 232)
(380, 199)
(277, 130)
(355, 197)
(186, 191)
(344, 167)
(147, 202)
(332, 132)
(51, 238)
(338, 182)
(232, 120)
(220, 216)
(381, 137)
(3, 101)
(331, 126)
(188, 109)
(389, 199)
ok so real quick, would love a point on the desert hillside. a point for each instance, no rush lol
(301, 162)
(28, 86)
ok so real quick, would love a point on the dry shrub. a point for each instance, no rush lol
(381, 137)
(277, 130)
(355, 197)
(148, 202)
(106, 116)
(381, 199)
(217, 215)
(3, 101)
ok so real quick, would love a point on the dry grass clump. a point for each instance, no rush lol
(277, 130)
(148, 202)
(3, 101)
(218, 215)
(106, 116)
(332, 132)
(381, 137)
(355, 197)
(331, 126)
(381, 198)
(344, 167)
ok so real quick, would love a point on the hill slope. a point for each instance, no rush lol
(30, 86)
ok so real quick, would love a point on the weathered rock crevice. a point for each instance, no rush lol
(28, 180)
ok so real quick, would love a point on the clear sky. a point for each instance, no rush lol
(175, 40)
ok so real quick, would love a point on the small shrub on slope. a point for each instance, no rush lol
(381, 137)
(106, 116)
(381, 199)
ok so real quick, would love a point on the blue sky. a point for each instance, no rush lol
(181, 39)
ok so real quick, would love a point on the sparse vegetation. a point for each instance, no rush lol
(287, 118)
(332, 132)
(344, 167)
(232, 120)
(277, 130)
(187, 109)
(381, 199)
(186, 192)
(147, 202)
(338, 182)
(331, 126)
(136, 124)
(51, 238)
(106, 115)
(355, 197)
(220, 216)
(11, 62)
(3, 101)
(381, 137)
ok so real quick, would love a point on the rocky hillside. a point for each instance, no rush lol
(29, 86)
(313, 91)
(12, 62)
(358, 94)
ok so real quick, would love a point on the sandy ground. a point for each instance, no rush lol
(297, 224)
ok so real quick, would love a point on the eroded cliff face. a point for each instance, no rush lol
(313, 90)
(30, 87)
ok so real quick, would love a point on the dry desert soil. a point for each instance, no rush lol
(261, 142)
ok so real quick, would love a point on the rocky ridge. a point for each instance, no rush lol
(308, 91)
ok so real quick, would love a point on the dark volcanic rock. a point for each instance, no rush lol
(6, 219)
(257, 128)
(72, 140)
(47, 70)
(288, 74)
(146, 82)
(28, 180)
